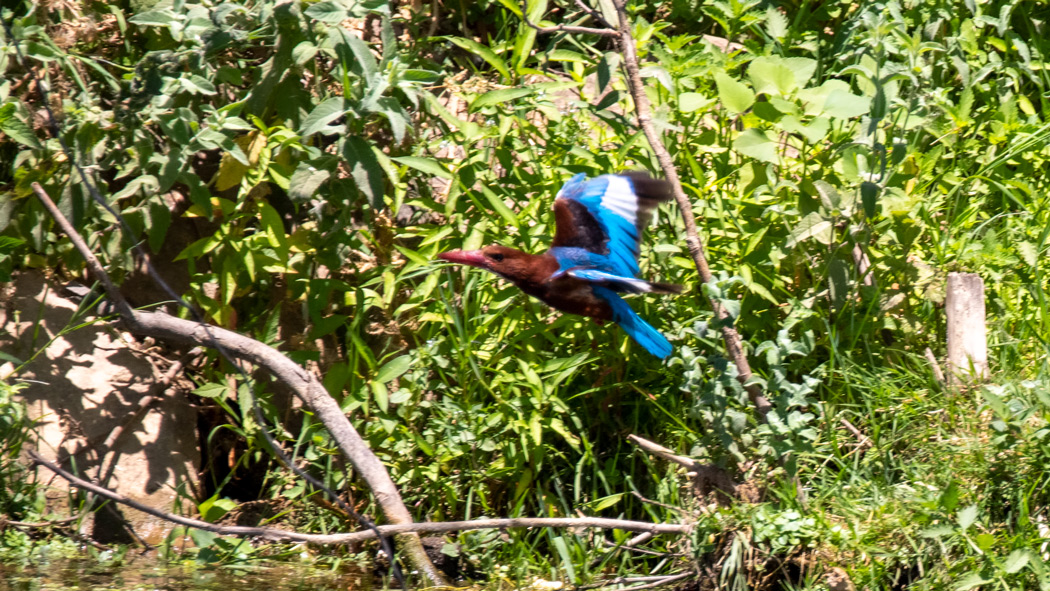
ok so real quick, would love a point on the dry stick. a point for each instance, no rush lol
(935, 367)
(303, 383)
(279, 535)
(692, 238)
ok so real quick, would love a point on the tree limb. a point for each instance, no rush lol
(279, 535)
(696, 249)
(303, 383)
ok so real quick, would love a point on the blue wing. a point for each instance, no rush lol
(606, 216)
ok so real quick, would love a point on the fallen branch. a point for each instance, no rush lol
(279, 535)
(304, 384)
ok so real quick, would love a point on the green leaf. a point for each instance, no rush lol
(813, 226)
(756, 144)
(838, 282)
(564, 55)
(693, 101)
(772, 77)
(364, 168)
(869, 195)
(394, 368)
(381, 395)
(17, 129)
(499, 206)
(496, 97)
(156, 18)
(967, 517)
(970, 581)
(736, 97)
(1017, 560)
(845, 105)
(212, 390)
(484, 52)
(329, 12)
(427, 165)
(323, 114)
(305, 181)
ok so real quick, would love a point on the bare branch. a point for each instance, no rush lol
(570, 28)
(278, 535)
(659, 450)
(696, 248)
(304, 384)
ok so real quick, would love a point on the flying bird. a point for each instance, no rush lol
(594, 255)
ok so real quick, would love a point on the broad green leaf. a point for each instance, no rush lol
(845, 105)
(427, 165)
(736, 97)
(381, 395)
(813, 226)
(212, 390)
(1017, 560)
(967, 517)
(15, 128)
(484, 52)
(496, 97)
(323, 114)
(327, 11)
(360, 55)
(971, 581)
(155, 18)
(364, 168)
(693, 101)
(756, 144)
(394, 368)
(305, 181)
(869, 195)
(815, 131)
(769, 75)
(304, 52)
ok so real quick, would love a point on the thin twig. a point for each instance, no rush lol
(624, 546)
(938, 373)
(659, 450)
(665, 581)
(862, 439)
(566, 28)
(279, 535)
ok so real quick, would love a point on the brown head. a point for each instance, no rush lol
(501, 260)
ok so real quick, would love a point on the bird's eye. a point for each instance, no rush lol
(496, 257)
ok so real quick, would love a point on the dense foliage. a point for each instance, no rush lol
(296, 166)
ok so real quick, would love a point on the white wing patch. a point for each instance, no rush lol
(620, 199)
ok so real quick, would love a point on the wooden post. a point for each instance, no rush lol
(967, 343)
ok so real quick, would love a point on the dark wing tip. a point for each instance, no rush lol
(665, 287)
(647, 187)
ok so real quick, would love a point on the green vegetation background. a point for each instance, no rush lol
(320, 154)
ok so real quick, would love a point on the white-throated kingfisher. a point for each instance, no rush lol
(594, 255)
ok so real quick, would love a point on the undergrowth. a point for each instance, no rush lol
(842, 159)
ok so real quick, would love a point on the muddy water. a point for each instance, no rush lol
(152, 575)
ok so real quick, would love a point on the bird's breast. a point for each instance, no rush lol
(571, 295)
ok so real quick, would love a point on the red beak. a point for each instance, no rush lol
(474, 258)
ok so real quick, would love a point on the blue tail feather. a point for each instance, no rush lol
(641, 331)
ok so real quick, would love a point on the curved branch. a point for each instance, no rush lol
(279, 535)
(305, 385)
